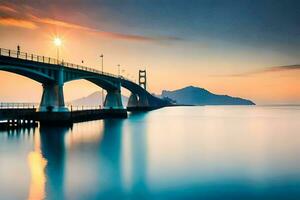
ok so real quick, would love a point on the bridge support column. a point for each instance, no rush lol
(53, 99)
(137, 103)
(113, 100)
(143, 101)
(133, 100)
(53, 95)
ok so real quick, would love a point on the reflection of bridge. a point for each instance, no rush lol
(118, 162)
(52, 74)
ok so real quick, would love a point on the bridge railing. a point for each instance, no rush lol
(7, 105)
(83, 107)
(53, 61)
(27, 56)
(13, 105)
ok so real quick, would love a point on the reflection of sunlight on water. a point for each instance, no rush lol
(37, 166)
(126, 158)
(87, 132)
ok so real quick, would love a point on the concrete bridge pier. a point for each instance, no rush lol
(133, 100)
(113, 100)
(52, 99)
(53, 95)
(143, 101)
(138, 103)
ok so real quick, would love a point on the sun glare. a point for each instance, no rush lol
(57, 41)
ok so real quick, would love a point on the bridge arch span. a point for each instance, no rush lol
(100, 82)
(139, 97)
(133, 88)
(113, 97)
(53, 74)
(28, 73)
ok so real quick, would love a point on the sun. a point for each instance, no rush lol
(57, 41)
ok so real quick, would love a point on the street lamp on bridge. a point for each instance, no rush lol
(102, 57)
(102, 93)
(57, 42)
(118, 70)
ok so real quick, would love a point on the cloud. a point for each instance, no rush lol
(30, 20)
(11, 16)
(64, 24)
(7, 9)
(55, 22)
(106, 34)
(17, 23)
(266, 70)
(282, 68)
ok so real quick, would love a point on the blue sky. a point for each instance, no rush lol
(272, 22)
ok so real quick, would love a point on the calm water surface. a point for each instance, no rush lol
(173, 153)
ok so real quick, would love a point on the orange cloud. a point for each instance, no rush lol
(282, 68)
(7, 9)
(18, 23)
(91, 30)
(123, 36)
(265, 70)
(58, 23)
(31, 23)
(28, 19)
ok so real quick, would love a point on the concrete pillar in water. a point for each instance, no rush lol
(138, 101)
(113, 99)
(132, 101)
(53, 95)
(143, 101)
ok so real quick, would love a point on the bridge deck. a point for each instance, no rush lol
(53, 74)
(52, 61)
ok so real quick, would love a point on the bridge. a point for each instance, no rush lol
(52, 74)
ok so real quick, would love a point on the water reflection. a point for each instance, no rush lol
(53, 150)
(110, 154)
(99, 159)
(46, 164)
(83, 134)
(37, 164)
(175, 153)
(136, 132)
(102, 159)
(16, 134)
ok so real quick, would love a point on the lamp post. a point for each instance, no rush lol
(57, 42)
(18, 51)
(102, 56)
(102, 92)
(119, 71)
(123, 72)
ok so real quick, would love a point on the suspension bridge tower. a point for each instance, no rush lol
(143, 79)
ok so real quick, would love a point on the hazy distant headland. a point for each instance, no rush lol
(198, 96)
(94, 99)
(186, 96)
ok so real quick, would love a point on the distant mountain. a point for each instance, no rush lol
(94, 99)
(188, 95)
(198, 96)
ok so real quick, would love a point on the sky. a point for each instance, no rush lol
(244, 48)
